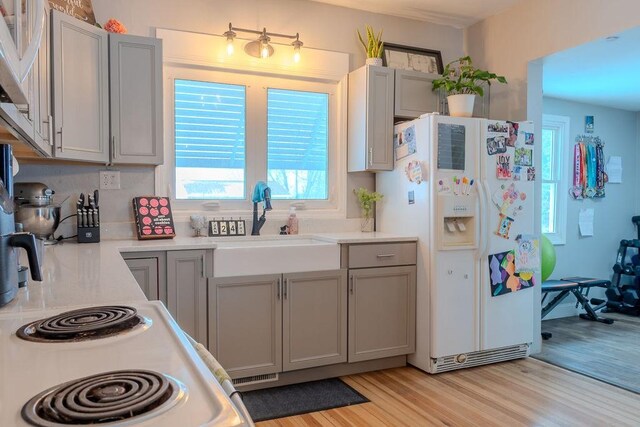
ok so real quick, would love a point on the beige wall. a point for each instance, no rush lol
(506, 42)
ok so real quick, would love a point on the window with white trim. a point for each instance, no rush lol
(556, 161)
(232, 130)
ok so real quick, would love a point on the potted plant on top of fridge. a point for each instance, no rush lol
(367, 199)
(462, 82)
(373, 46)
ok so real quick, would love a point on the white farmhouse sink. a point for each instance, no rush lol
(274, 256)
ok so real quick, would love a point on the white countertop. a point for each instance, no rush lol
(79, 274)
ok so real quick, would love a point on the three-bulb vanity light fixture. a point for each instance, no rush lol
(261, 48)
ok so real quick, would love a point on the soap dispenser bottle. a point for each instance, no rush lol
(292, 222)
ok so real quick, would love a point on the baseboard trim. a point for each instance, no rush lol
(331, 371)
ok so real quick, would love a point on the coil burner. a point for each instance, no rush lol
(84, 324)
(111, 398)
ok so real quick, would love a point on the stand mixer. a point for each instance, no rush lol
(10, 241)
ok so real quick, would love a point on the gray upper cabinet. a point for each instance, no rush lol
(187, 273)
(414, 94)
(382, 312)
(245, 330)
(80, 65)
(136, 99)
(370, 119)
(43, 119)
(314, 319)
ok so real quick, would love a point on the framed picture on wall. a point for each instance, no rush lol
(412, 58)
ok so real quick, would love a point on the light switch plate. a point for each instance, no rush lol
(109, 180)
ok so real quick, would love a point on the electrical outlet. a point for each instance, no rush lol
(109, 180)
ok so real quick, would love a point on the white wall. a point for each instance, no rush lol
(320, 26)
(506, 42)
(595, 256)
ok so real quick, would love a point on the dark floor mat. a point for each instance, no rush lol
(296, 399)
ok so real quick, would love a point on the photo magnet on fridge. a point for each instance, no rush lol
(528, 138)
(513, 134)
(523, 157)
(404, 143)
(496, 145)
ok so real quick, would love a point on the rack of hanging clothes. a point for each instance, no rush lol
(589, 176)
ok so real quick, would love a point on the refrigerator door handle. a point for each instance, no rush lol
(482, 245)
(486, 221)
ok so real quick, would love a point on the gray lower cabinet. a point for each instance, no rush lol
(267, 324)
(245, 330)
(414, 94)
(149, 270)
(382, 314)
(314, 319)
(136, 99)
(80, 66)
(187, 273)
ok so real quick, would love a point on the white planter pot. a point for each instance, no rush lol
(374, 61)
(461, 105)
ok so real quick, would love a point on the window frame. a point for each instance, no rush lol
(561, 126)
(256, 139)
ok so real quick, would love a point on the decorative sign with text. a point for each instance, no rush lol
(80, 9)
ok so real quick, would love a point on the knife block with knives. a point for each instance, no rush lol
(88, 218)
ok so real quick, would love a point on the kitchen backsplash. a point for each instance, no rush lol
(69, 180)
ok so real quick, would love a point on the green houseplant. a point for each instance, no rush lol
(373, 47)
(462, 82)
(367, 199)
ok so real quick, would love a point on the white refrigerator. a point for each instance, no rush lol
(465, 187)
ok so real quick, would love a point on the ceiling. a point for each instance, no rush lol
(458, 13)
(600, 72)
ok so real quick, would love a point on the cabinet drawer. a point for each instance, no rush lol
(382, 255)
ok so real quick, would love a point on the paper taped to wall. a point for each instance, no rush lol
(614, 170)
(585, 220)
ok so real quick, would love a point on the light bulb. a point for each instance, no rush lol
(297, 44)
(229, 46)
(264, 53)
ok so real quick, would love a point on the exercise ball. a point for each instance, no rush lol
(548, 255)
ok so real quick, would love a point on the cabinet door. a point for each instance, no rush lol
(43, 120)
(145, 271)
(314, 319)
(80, 65)
(136, 99)
(414, 94)
(380, 88)
(245, 330)
(187, 291)
(382, 312)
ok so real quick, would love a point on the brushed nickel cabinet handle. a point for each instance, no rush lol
(370, 156)
(351, 285)
(279, 286)
(204, 263)
(386, 255)
(113, 146)
(286, 286)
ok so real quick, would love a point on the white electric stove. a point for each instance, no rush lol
(150, 367)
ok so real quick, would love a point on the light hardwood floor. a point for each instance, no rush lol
(609, 353)
(526, 392)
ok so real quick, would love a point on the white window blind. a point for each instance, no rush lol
(210, 147)
(297, 144)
